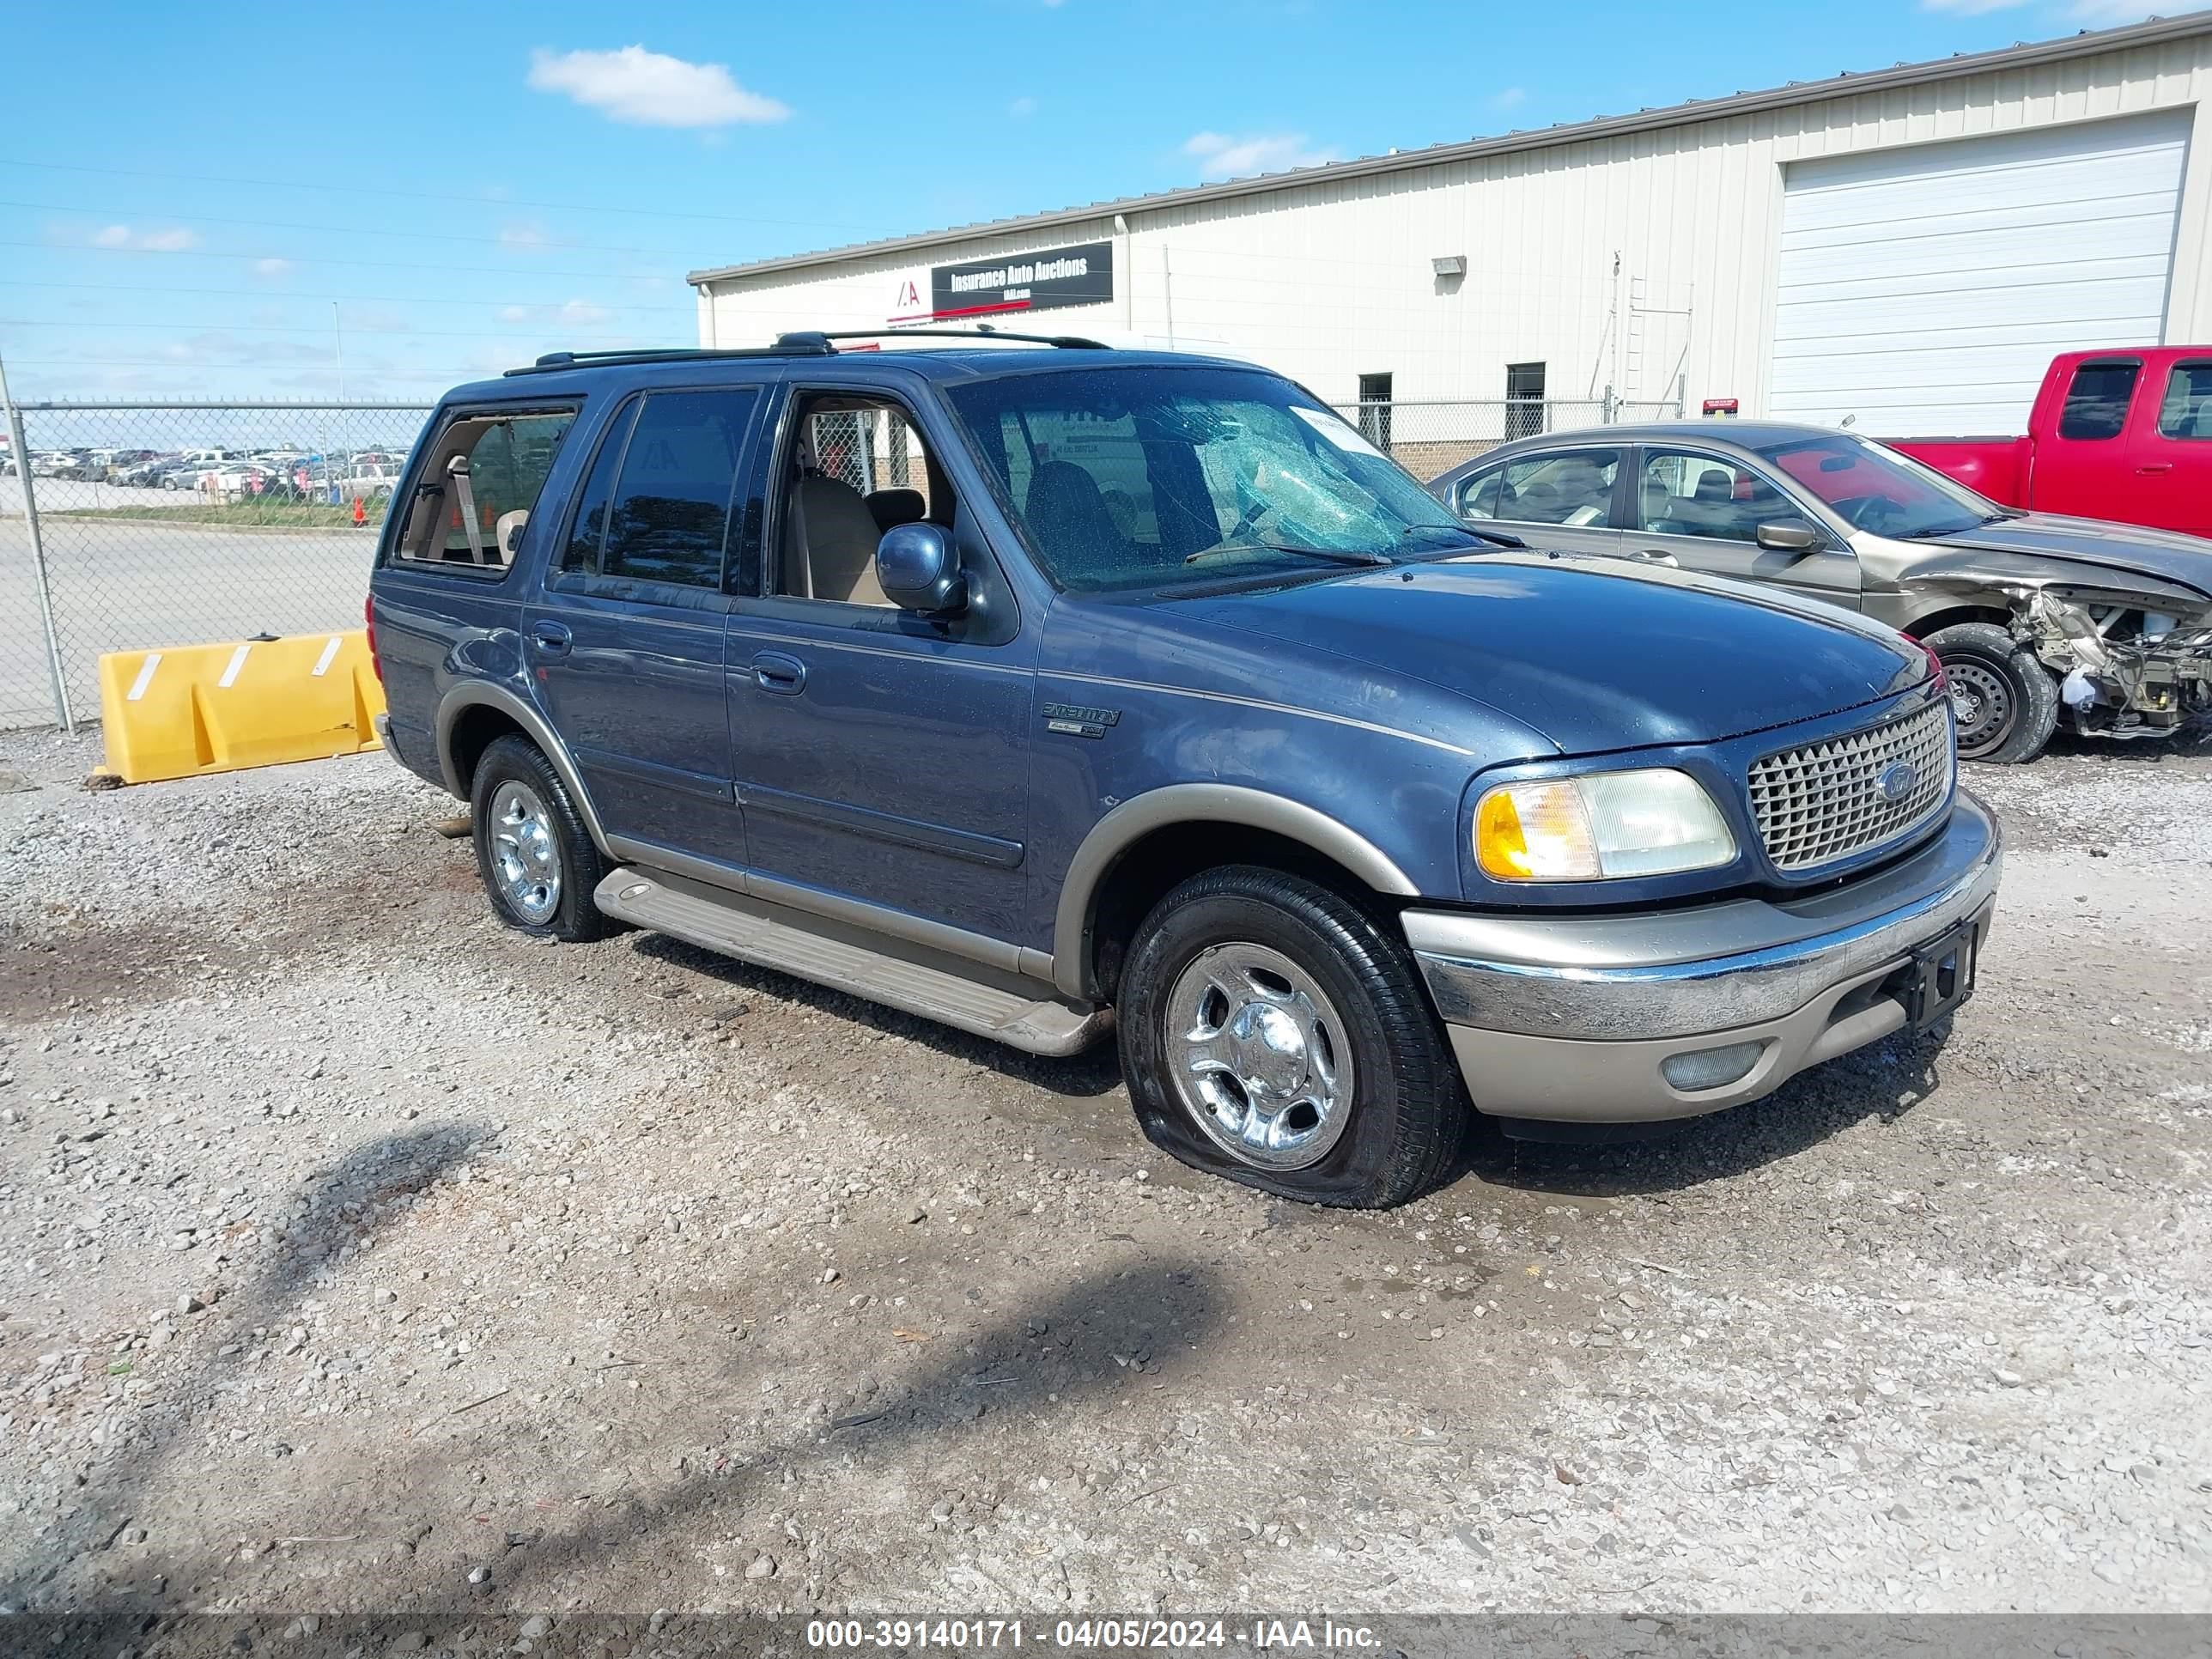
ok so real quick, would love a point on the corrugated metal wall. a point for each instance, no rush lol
(1330, 280)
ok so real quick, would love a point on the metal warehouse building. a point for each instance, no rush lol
(1908, 247)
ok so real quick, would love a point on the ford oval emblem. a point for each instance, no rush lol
(1897, 780)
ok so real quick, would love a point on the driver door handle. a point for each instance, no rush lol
(784, 675)
(1654, 556)
(2156, 467)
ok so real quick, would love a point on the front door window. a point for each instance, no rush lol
(1683, 494)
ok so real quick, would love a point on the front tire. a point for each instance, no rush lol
(1274, 1032)
(538, 862)
(2005, 700)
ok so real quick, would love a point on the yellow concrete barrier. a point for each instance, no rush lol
(194, 708)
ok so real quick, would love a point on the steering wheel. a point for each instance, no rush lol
(1877, 513)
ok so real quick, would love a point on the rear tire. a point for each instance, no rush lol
(2006, 702)
(1275, 1033)
(538, 862)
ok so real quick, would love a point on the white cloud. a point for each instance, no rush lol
(1225, 155)
(514, 313)
(529, 238)
(651, 89)
(175, 239)
(1507, 98)
(1970, 7)
(1023, 105)
(583, 311)
(272, 268)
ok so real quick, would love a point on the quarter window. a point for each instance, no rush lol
(478, 486)
(1566, 487)
(2186, 410)
(2097, 400)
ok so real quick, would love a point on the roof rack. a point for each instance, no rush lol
(790, 345)
(815, 340)
(804, 343)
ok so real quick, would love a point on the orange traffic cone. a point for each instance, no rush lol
(359, 517)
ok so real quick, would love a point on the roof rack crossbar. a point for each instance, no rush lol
(982, 332)
(803, 342)
(554, 360)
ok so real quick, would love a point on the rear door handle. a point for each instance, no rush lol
(773, 672)
(549, 639)
(1653, 556)
(2157, 466)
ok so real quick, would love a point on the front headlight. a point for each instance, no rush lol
(1599, 828)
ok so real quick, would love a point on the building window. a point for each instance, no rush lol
(1374, 399)
(1524, 399)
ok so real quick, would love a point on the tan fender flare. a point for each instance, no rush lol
(1195, 804)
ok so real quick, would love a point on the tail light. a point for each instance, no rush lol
(368, 626)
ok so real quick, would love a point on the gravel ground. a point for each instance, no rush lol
(358, 1254)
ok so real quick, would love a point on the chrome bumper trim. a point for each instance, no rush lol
(1686, 972)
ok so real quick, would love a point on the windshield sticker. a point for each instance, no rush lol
(1336, 431)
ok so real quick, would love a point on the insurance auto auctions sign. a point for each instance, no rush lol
(1045, 281)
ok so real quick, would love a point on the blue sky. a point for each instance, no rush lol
(199, 202)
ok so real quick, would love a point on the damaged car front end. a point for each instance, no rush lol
(2128, 647)
(2127, 670)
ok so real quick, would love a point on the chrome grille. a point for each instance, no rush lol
(1825, 801)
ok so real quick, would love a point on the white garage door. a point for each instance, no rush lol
(1924, 290)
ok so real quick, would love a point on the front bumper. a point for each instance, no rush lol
(1569, 1018)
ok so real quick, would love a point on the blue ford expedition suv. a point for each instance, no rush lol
(1046, 690)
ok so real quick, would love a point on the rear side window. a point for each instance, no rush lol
(2185, 411)
(1570, 487)
(2096, 401)
(656, 506)
(480, 485)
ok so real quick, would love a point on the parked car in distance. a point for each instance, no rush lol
(2028, 613)
(2122, 434)
(1046, 691)
(140, 468)
(366, 479)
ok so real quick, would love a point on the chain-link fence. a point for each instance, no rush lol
(178, 524)
(1430, 438)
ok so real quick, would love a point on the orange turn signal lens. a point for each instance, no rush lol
(1534, 832)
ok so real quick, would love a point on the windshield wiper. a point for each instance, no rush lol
(1934, 531)
(1495, 538)
(1333, 555)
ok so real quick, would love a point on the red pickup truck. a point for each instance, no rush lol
(2123, 434)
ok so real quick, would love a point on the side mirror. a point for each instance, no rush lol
(1789, 536)
(918, 568)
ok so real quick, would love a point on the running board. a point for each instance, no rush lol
(1003, 1006)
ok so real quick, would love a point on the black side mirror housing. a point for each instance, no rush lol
(1789, 536)
(918, 568)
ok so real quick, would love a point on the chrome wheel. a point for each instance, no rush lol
(1982, 702)
(1259, 1056)
(525, 855)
